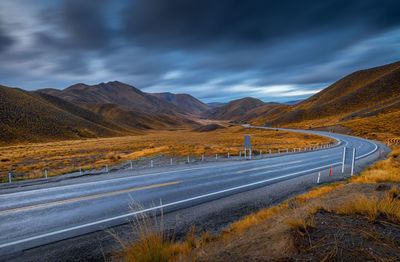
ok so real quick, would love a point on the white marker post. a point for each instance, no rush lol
(353, 161)
(9, 177)
(202, 158)
(45, 173)
(319, 176)
(270, 151)
(131, 164)
(343, 159)
(229, 156)
(216, 156)
(188, 159)
(106, 168)
(250, 152)
(80, 171)
(151, 163)
(170, 161)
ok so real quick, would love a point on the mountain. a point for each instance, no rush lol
(236, 109)
(294, 102)
(185, 102)
(124, 105)
(215, 104)
(363, 93)
(113, 93)
(27, 116)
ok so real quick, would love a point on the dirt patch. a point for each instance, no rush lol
(347, 238)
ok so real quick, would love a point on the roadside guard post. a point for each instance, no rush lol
(348, 159)
(247, 144)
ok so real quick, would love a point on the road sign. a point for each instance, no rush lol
(247, 143)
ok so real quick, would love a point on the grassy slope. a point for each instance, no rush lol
(26, 116)
(59, 157)
(366, 102)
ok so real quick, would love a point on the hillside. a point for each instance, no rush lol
(128, 107)
(130, 119)
(26, 116)
(364, 93)
(236, 109)
(116, 93)
(185, 102)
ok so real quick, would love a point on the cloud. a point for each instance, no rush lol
(215, 50)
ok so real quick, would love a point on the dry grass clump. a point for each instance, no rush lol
(302, 219)
(30, 160)
(384, 171)
(373, 207)
(254, 219)
(318, 191)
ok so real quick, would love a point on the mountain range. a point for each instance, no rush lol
(116, 109)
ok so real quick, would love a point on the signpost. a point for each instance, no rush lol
(247, 145)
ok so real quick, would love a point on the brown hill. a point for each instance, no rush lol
(125, 105)
(130, 119)
(236, 109)
(113, 93)
(27, 116)
(185, 102)
(364, 93)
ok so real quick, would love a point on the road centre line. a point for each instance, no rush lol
(84, 198)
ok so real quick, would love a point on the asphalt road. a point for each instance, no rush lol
(41, 214)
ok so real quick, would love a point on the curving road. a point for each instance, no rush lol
(42, 214)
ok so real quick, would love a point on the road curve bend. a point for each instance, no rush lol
(51, 212)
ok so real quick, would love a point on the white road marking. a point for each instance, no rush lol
(265, 167)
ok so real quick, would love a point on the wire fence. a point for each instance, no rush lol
(156, 161)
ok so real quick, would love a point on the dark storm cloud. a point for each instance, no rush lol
(5, 40)
(216, 50)
(80, 24)
(198, 23)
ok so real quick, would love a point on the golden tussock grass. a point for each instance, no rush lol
(387, 170)
(373, 207)
(61, 157)
(318, 191)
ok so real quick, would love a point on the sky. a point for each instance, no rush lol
(221, 50)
